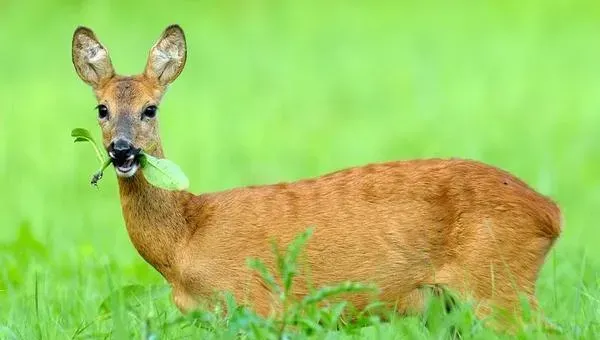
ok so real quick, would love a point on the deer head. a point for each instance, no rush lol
(128, 105)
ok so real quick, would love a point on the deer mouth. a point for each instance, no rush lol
(126, 167)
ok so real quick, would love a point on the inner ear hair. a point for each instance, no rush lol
(90, 57)
(167, 57)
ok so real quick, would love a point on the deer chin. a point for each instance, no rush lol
(127, 169)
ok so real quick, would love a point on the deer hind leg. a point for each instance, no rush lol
(501, 280)
(514, 291)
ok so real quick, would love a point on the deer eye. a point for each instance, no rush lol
(102, 111)
(149, 112)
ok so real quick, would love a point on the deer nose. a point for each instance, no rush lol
(121, 150)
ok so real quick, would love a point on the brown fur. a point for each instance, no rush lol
(400, 225)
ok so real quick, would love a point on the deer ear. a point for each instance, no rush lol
(167, 57)
(90, 58)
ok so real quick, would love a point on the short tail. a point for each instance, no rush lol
(552, 220)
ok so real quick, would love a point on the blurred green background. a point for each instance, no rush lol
(281, 90)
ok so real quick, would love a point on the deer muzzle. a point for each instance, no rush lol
(124, 156)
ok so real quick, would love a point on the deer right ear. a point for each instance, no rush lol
(167, 57)
(90, 58)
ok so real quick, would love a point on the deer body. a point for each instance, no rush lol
(400, 225)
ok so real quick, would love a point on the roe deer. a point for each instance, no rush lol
(401, 225)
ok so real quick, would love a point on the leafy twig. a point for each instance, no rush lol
(98, 175)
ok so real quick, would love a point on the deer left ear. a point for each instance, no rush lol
(167, 57)
(90, 58)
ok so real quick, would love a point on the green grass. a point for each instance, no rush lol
(282, 91)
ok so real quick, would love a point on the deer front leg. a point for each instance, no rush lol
(184, 301)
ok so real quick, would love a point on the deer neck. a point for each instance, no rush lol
(154, 218)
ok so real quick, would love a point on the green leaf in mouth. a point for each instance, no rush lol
(163, 173)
